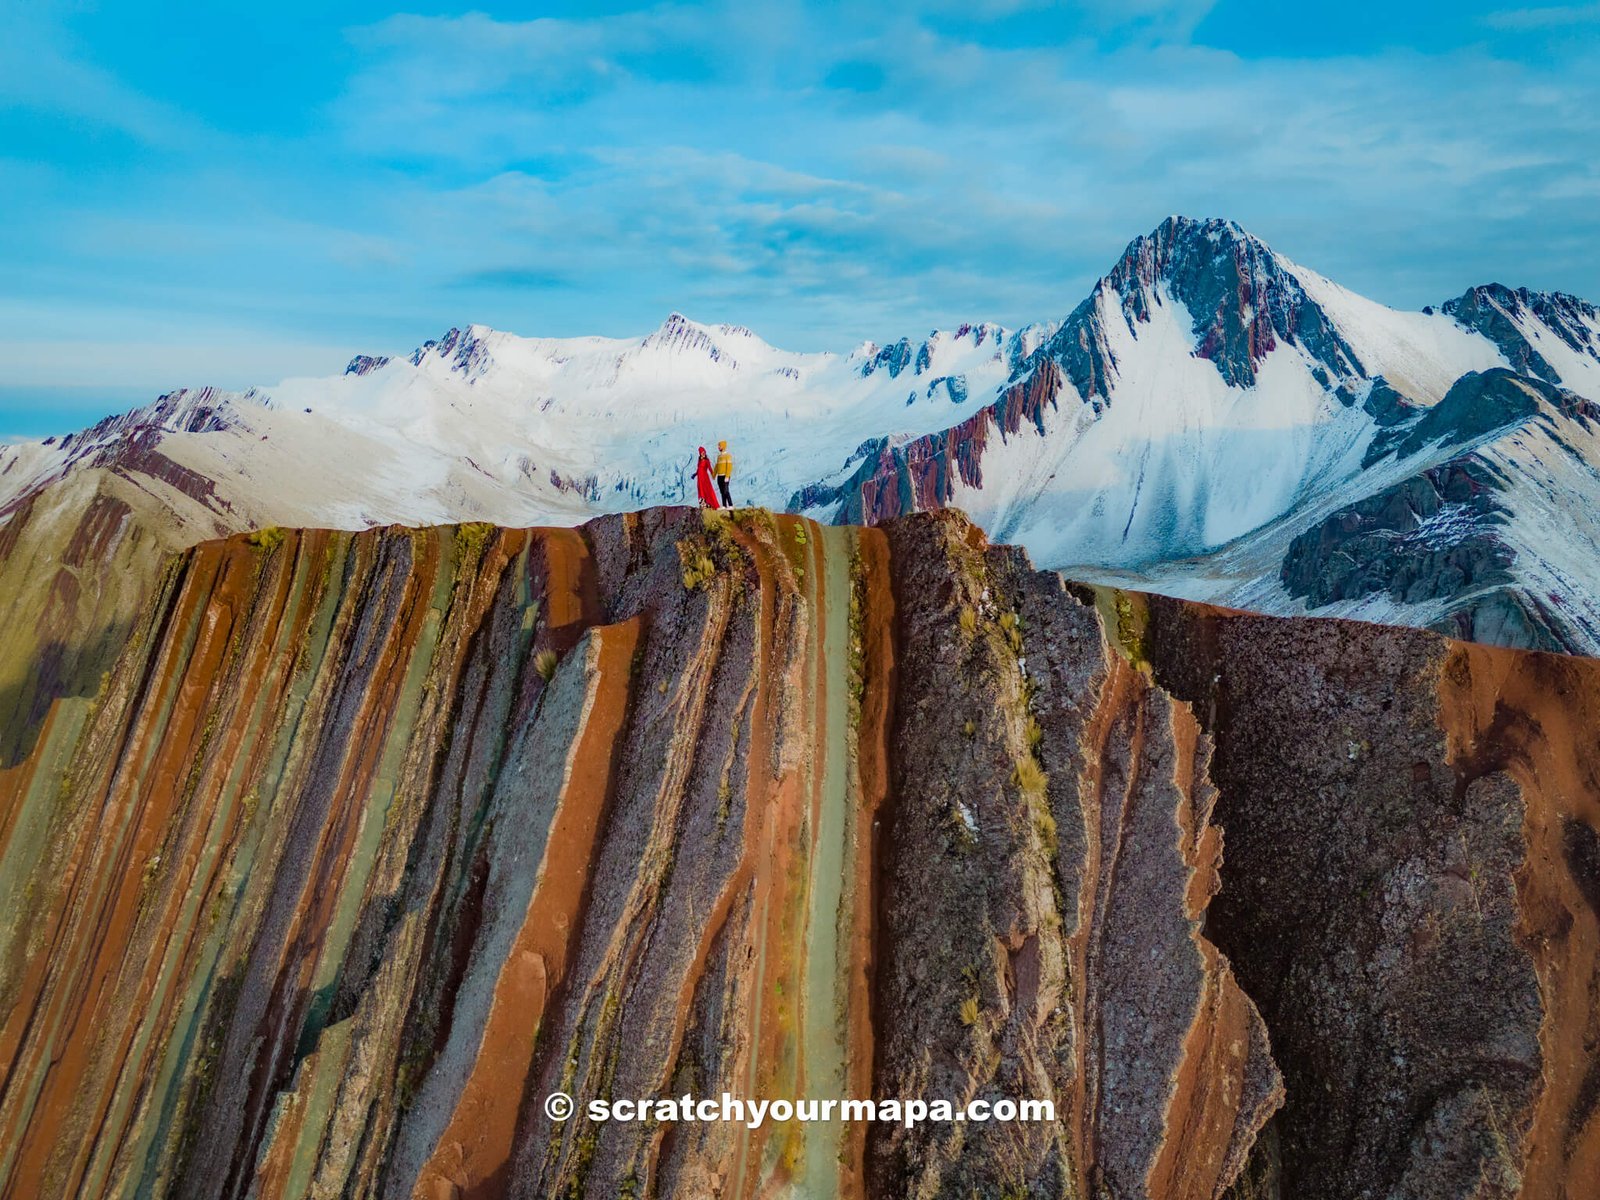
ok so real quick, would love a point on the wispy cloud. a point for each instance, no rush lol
(1554, 17)
(1002, 177)
(41, 70)
(784, 164)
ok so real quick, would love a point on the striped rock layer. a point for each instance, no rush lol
(367, 843)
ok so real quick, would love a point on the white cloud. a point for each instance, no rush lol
(589, 174)
(1553, 17)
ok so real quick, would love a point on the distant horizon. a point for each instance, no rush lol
(34, 412)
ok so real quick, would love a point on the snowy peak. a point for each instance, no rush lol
(680, 336)
(366, 364)
(1550, 335)
(1244, 299)
(187, 410)
(465, 352)
(1207, 404)
(943, 353)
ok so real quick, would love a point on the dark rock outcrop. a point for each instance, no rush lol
(366, 364)
(1430, 537)
(1402, 899)
(1494, 310)
(1477, 404)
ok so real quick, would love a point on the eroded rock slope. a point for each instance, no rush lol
(366, 843)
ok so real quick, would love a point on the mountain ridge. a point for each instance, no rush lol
(366, 842)
(1208, 404)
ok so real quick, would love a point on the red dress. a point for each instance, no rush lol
(702, 479)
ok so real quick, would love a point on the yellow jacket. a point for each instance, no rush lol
(724, 468)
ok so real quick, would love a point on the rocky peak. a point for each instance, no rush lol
(898, 355)
(1243, 298)
(893, 358)
(366, 364)
(187, 410)
(984, 331)
(1499, 312)
(1244, 302)
(682, 336)
(461, 350)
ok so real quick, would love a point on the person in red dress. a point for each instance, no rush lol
(702, 479)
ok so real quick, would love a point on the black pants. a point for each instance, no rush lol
(722, 486)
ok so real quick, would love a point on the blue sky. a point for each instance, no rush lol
(230, 194)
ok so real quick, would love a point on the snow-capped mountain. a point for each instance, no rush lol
(1213, 420)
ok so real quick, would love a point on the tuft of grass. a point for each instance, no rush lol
(1044, 824)
(473, 536)
(969, 620)
(715, 549)
(269, 538)
(1030, 778)
(699, 573)
(695, 557)
(545, 662)
(969, 1011)
(1011, 627)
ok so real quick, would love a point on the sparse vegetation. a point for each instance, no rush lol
(856, 667)
(1030, 777)
(472, 537)
(1044, 824)
(704, 555)
(969, 620)
(221, 902)
(1131, 619)
(969, 1011)
(545, 663)
(583, 1152)
(698, 569)
(269, 538)
(1011, 628)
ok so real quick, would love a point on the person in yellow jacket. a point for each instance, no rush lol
(724, 473)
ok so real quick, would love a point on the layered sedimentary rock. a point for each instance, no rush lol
(364, 844)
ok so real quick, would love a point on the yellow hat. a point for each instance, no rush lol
(722, 445)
